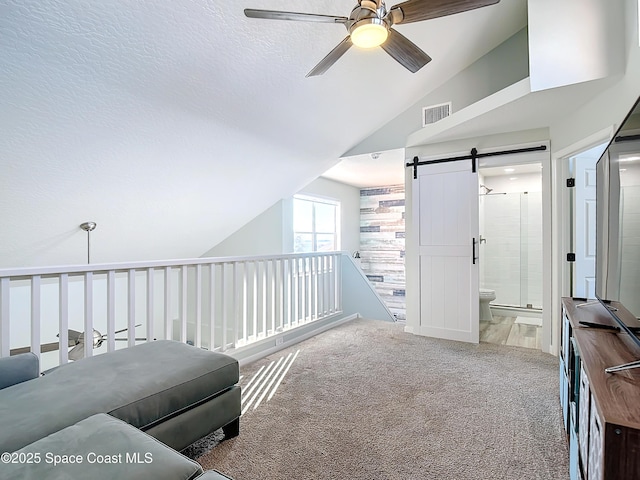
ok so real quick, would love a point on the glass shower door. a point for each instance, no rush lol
(512, 253)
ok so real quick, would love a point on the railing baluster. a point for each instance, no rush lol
(303, 290)
(310, 288)
(332, 283)
(111, 310)
(321, 286)
(150, 303)
(309, 281)
(198, 333)
(291, 295)
(297, 291)
(282, 283)
(223, 304)
(245, 333)
(88, 314)
(338, 263)
(63, 318)
(263, 294)
(131, 308)
(327, 285)
(272, 296)
(184, 303)
(316, 290)
(168, 322)
(5, 320)
(35, 314)
(212, 306)
(237, 308)
(254, 301)
(236, 305)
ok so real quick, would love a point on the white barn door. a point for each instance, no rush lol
(445, 219)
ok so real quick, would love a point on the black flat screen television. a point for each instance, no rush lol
(618, 226)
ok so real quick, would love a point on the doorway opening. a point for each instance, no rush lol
(582, 206)
(511, 254)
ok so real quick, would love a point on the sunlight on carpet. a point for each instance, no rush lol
(266, 382)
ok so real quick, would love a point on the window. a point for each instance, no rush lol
(315, 224)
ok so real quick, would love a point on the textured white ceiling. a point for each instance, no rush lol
(376, 169)
(173, 123)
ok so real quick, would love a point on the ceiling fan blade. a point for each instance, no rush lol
(73, 336)
(405, 52)
(77, 352)
(419, 10)
(294, 16)
(331, 58)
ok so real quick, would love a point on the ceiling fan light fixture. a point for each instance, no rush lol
(369, 33)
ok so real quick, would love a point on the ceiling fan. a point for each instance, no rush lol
(369, 25)
(77, 341)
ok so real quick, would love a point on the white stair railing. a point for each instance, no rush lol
(213, 303)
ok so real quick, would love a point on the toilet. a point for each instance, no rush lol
(486, 296)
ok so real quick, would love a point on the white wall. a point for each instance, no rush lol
(264, 235)
(271, 232)
(612, 105)
(573, 41)
(503, 66)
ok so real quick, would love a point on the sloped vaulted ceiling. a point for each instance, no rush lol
(173, 123)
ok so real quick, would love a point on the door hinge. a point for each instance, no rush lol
(571, 257)
(571, 182)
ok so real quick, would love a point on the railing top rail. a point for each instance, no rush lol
(123, 266)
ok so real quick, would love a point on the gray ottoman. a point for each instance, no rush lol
(170, 390)
(100, 447)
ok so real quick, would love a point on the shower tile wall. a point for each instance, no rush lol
(500, 255)
(382, 244)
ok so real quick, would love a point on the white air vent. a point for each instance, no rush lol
(435, 113)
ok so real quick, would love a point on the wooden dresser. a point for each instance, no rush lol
(601, 410)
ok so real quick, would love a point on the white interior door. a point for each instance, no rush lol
(446, 197)
(584, 273)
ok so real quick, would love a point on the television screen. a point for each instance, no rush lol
(618, 224)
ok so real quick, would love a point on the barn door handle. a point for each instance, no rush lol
(473, 251)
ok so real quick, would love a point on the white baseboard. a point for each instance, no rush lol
(275, 343)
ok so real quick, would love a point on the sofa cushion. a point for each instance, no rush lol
(18, 369)
(140, 385)
(99, 447)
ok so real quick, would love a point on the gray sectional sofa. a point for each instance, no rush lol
(137, 406)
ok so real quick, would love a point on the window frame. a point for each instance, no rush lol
(314, 200)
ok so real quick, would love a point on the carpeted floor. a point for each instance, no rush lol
(367, 401)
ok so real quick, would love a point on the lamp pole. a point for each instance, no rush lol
(88, 227)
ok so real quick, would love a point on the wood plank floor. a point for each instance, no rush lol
(504, 331)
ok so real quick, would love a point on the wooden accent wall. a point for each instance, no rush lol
(382, 244)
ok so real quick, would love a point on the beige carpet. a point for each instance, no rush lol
(367, 401)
